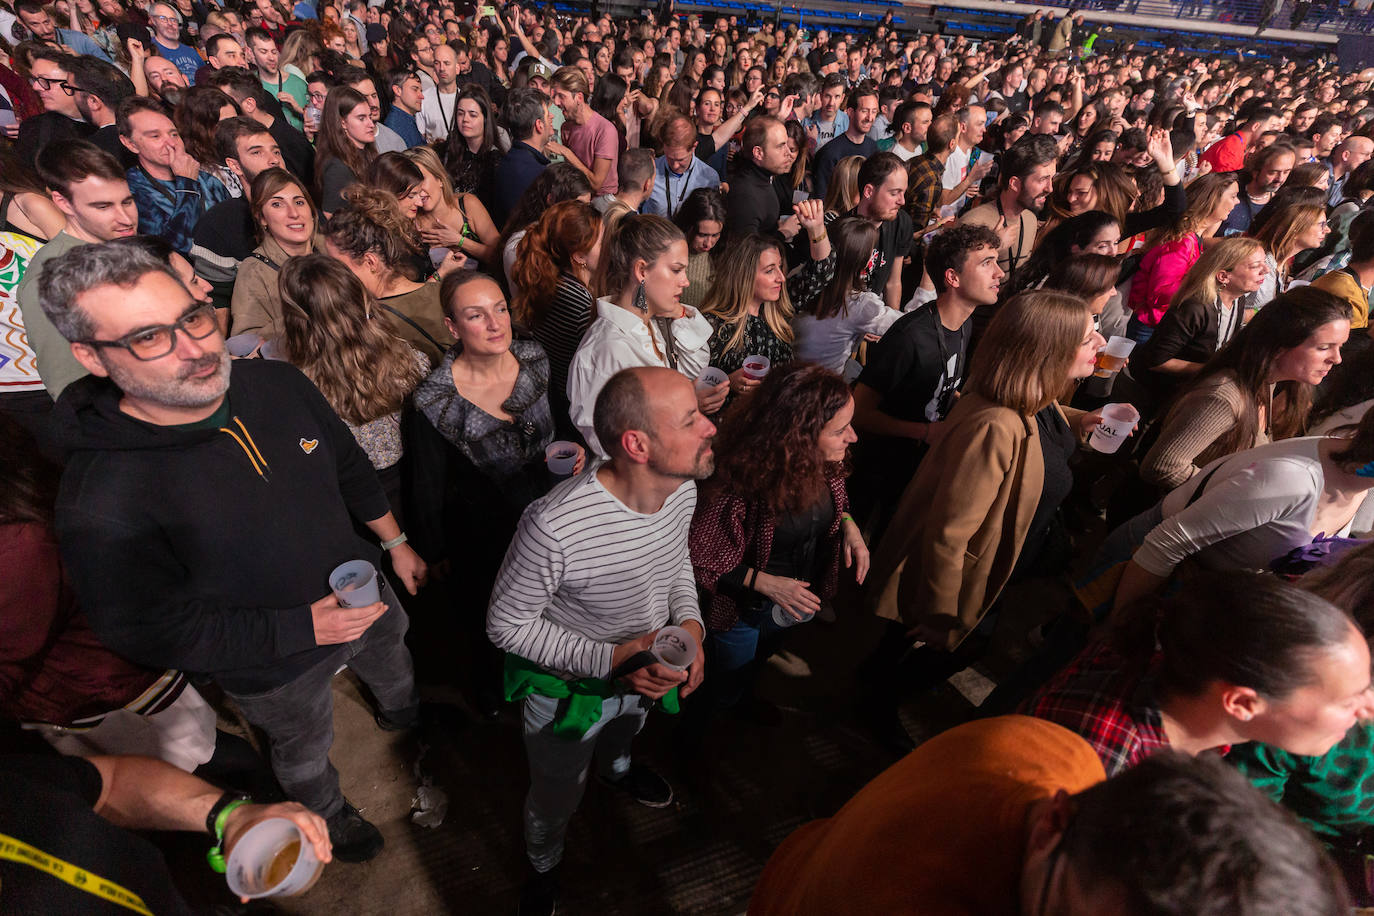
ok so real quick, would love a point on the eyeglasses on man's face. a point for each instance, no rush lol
(158, 341)
(44, 83)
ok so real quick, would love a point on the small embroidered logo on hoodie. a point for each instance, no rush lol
(308, 445)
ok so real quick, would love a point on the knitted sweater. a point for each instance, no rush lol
(1188, 437)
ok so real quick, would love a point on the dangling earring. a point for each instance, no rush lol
(641, 301)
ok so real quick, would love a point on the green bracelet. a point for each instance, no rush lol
(215, 856)
(846, 517)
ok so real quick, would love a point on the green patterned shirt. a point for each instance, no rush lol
(1332, 794)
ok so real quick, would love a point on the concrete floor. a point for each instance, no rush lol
(702, 855)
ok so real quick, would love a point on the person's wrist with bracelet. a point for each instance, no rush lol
(817, 239)
(395, 542)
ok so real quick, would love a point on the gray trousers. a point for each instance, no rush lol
(558, 768)
(298, 716)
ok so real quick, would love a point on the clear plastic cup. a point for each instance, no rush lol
(756, 366)
(784, 619)
(355, 584)
(711, 377)
(561, 457)
(272, 859)
(1112, 358)
(674, 648)
(1117, 422)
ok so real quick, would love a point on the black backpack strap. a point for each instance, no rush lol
(258, 256)
(438, 346)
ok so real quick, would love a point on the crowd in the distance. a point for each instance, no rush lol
(649, 340)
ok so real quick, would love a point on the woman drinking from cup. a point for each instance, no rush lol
(773, 526)
(1257, 389)
(980, 510)
(448, 219)
(284, 216)
(553, 269)
(640, 319)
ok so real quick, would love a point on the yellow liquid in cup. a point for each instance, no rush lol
(282, 863)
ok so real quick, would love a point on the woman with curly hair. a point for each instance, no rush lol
(554, 265)
(200, 111)
(773, 523)
(369, 235)
(470, 153)
(337, 336)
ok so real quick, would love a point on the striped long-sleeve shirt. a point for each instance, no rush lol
(585, 573)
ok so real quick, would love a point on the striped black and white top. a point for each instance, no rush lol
(585, 573)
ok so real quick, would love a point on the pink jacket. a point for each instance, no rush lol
(1161, 272)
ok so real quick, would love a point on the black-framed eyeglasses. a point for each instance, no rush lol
(69, 88)
(44, 83)
(156, 342)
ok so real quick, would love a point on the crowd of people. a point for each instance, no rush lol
(681, 330)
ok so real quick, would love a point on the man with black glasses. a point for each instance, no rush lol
(238, 490)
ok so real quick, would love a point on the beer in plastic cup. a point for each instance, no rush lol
(1117, 422)
(756, 366)
(1112, 357)
(272, 859)
(561, 457)
(355, 584)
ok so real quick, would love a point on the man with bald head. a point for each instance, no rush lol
(1349, 154)
(596, 569)
(440, 106)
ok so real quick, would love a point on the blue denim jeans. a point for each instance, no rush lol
(1138, 331)
(298, 716)
(558, 767)
(734, 655)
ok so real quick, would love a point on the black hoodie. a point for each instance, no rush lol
(202, 549)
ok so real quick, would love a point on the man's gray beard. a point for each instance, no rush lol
(180, 392)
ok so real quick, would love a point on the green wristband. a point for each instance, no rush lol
(215, 856)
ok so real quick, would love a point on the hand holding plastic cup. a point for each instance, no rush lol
(1117, 422)
(561, 457)
(355, 584)
(711, 377)
(674, 648)
(272, 859)
(756, 366)
(1112, 358)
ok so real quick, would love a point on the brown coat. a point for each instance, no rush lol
(962, 521)
(256, 305)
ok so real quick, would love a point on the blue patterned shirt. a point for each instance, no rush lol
(171, 209)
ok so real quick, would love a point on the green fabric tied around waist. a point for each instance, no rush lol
(585, 695)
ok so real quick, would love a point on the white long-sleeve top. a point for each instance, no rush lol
(585, 573)
(620, 339)
(828, 342)
(1257, 507)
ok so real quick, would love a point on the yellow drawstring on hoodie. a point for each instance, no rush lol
(250, 448)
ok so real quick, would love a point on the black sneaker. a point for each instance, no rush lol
(353, 838)
(539, 896)
(398, 720)
(643, 785)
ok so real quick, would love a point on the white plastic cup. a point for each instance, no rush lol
(1117, 422)
(241, 345)
(674, 648)
(783, 619)
(1112, 358)
(437, 255)
(756, 366)
(249, 869)
(561, 457)
(355, 584)
(711, 377)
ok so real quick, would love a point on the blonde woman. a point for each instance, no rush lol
(1290, 231)
(1204, 314)
(750, 301)
(337, 336)
(449, 220)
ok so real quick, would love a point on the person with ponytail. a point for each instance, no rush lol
(1258, 389)
(553, 269)
(847, 311)
(640, 319)
(1232, 657)
(370, 236)
(337, 336)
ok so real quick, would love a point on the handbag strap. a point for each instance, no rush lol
(1197, 494)
(407, 319)
(259, 256)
